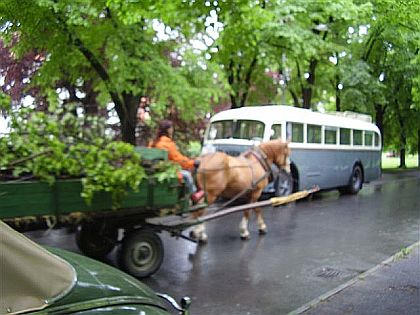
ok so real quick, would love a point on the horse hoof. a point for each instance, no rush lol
(203, 239)
(193, 235)
(262, 232)
(245, 237)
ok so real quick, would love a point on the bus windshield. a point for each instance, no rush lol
(236, 129)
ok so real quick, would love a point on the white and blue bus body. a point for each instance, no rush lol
(329, 150)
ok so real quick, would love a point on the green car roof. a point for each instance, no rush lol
(102, 288)
(39, 280)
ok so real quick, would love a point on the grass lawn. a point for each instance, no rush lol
(393, 162)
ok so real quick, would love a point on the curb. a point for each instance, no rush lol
(349, 283)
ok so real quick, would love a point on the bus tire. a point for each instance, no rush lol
(141, 253)
(355, 182)
(94, 243)
(284, 184)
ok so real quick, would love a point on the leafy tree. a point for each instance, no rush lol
(16, 74)
(416, 103)
(241, 47)
(311, 33)
(390, 52)
(111, 47)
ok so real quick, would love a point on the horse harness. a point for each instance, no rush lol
(261, 157)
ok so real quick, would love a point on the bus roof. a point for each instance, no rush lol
(279, 113)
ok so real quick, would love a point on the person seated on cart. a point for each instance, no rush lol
(163, 141)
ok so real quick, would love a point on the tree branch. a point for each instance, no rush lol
(96, 65)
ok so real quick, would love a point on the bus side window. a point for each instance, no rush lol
(345, 136)
(314, 134)
(275, 131)
(330, 135)
(357, 137)
(368, 138)
(295, 132)
(288, 131)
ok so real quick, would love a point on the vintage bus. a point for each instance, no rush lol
(331, 150)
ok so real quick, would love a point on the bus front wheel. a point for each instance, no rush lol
(356, 181)
(284, 184)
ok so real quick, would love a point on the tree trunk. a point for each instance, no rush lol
(379, 113)
(129, 121)
(233, 101)
(403, 139)
(418, 146)
(295, 98)
(337, 94)
(336, 83)
(307, 96)
(402, 157)
(337, 100)
(247, 81)
(231, 81)
(308, 88)
(90, 102)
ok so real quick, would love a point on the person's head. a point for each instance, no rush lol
(165, 128)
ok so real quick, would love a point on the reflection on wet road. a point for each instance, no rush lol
(311, 247)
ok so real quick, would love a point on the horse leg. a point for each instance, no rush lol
(262, 228)
(243, 226)
(199, 231)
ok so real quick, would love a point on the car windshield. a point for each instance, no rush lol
(236, 129)
(31, 276)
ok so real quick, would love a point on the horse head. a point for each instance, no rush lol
(277, 152)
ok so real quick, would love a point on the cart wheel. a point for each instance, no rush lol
(94, 241)
(141, 253)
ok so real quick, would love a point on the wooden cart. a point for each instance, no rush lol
(154, 207)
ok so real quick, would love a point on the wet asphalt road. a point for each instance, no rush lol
(311, 247)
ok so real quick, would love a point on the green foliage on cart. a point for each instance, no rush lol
(60, 144)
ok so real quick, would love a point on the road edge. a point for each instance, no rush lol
(349, 283)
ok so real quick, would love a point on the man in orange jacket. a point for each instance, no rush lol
(164, 141)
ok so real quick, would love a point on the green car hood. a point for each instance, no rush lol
(100, 287)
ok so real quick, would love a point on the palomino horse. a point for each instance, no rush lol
(221, 175)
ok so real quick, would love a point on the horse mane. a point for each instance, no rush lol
(267, 148)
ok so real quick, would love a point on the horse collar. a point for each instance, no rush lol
(261, 157)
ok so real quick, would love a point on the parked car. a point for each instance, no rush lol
(38, 280)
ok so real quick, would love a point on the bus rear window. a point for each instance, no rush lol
(377, 137)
